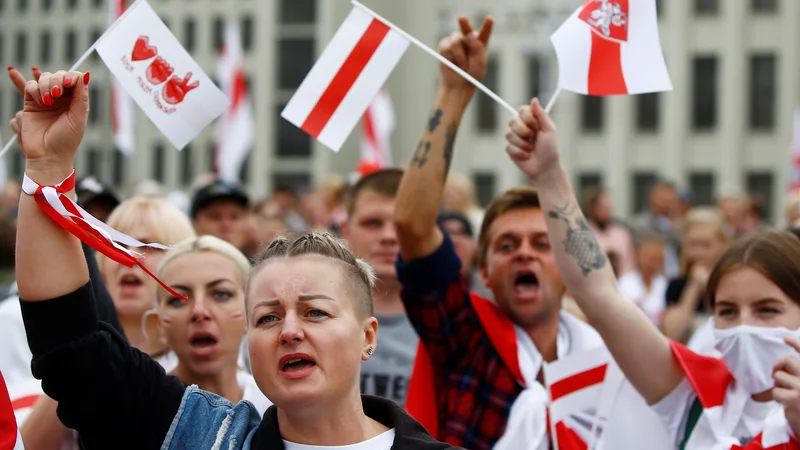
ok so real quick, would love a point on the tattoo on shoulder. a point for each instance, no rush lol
(421, 154)
(435, 120)
(580, 243)
(449, 141)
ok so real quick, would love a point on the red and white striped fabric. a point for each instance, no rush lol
(101, 237)
(236, 127)
(611, 47)
(9, 433)
(794, 154)
(713, 385)
(121, 103)
(349, 73)
(377, 126)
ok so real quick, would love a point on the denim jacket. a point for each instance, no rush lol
(208, 421)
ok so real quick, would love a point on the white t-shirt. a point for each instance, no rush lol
(383, 441)
(674, 411)
(651, 302)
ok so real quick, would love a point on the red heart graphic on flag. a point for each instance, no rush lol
(142, 50)
(608, 18)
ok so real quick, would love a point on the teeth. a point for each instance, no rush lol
(292, 361)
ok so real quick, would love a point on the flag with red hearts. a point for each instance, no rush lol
(152, 66)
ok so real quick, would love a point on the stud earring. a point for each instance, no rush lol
(369, 351)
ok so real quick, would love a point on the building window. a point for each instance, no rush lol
(485, 187)
(643, 183)
(2, 45)
(2, 5)
(762, 92)
(647, 108)
(218, 33)
(296, 57)
(98, 3)
(534, 76)
(706, 7)
(22, 5)
(159, 160)
(486, 108)
(72, 4)
(292, 141)
(589, 180)
(17, 102)
(298, 11)
(702, 186)
(294, 181)
(764, 6)
(47, 4)
(188, 34)
(94, 109)
(71, 45)
(187, 170)
(592, 113)
(94, 163)
(96, 33)
(659, 8)
(22, 47)
(118, 161)
(244, 172)
(704, 92)
(45, 42)
(17, 164)
(760, 186)
(248, 33)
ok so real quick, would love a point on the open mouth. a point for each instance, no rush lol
(131, 281)
(526, 284)
(203, 340)
(297, 363)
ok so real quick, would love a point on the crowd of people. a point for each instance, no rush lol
(395, 312)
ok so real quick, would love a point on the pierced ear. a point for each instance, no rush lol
(370, 338)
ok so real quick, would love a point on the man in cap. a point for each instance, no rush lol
(220, 209)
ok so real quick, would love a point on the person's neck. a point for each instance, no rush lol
(132, 326)
(647, 280)
(387, 298)
(223, 383)
(545, 337)
(342, 424)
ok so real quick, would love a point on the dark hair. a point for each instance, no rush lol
(385, 182)
(590, 196)
(360, 274)
(775, 254)
(513, 199)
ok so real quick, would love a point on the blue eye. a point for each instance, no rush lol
(222, 295)
(175, 302)
(266, 319)
(317, 314)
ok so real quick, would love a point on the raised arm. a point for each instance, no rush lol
(421, 190)
(641, 351)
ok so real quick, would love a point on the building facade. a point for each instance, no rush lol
(724, 128)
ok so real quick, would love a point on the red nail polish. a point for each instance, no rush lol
(10, 68)
(34, 69)
(56, 91)
(47, 99)
(67, 81)
(86, 77)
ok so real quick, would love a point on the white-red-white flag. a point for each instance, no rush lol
(121, 105)
(349, 73)
(376, 132)
(794, 154)
(611, 47)
(9, 433)
(160, 75)
(235, 129)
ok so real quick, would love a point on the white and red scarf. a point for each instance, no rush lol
(9, 433)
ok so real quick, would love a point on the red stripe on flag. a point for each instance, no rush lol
(568, 439)
(369, 131)
(344, 78)
(577, 382)
(24, 402)
(605, 67)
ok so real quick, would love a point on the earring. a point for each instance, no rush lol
(369, 351)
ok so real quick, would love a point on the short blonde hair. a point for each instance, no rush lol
(324, 244)
(703, 216)
(165, 224)
(209, 244)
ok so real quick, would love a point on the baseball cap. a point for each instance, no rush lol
(89, 190)
(216, 191)
(458, 217)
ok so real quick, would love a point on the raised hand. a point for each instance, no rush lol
(19, 82)
(533, 141)
(53, 123)
(466, 49)
(786, 374)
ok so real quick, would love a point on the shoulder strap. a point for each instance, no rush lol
(694, 416)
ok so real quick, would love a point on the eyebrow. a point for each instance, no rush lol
(301, 298)
(208, 285)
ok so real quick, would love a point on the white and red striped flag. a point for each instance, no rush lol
(236, 127)
(611, 47)
(376, 132)
(794, 154)
(349, 73)
(121, 104)
(9, 433)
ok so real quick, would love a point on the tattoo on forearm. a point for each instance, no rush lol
(435, 120)
(580, 242)
(421, 155)
(449, 141)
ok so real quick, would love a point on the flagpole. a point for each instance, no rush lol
(552, 101)
(80, 61)
(441, 58)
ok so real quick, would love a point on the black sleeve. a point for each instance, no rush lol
(114, 395)
(674, 290)
(106, 311)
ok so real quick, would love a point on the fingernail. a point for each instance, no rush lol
(56, 91)
(34, 68)
(86, 77)
(10, 68)
(67, 81)
(47, 99)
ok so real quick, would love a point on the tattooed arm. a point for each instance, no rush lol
(641, 351)
(422, 187)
